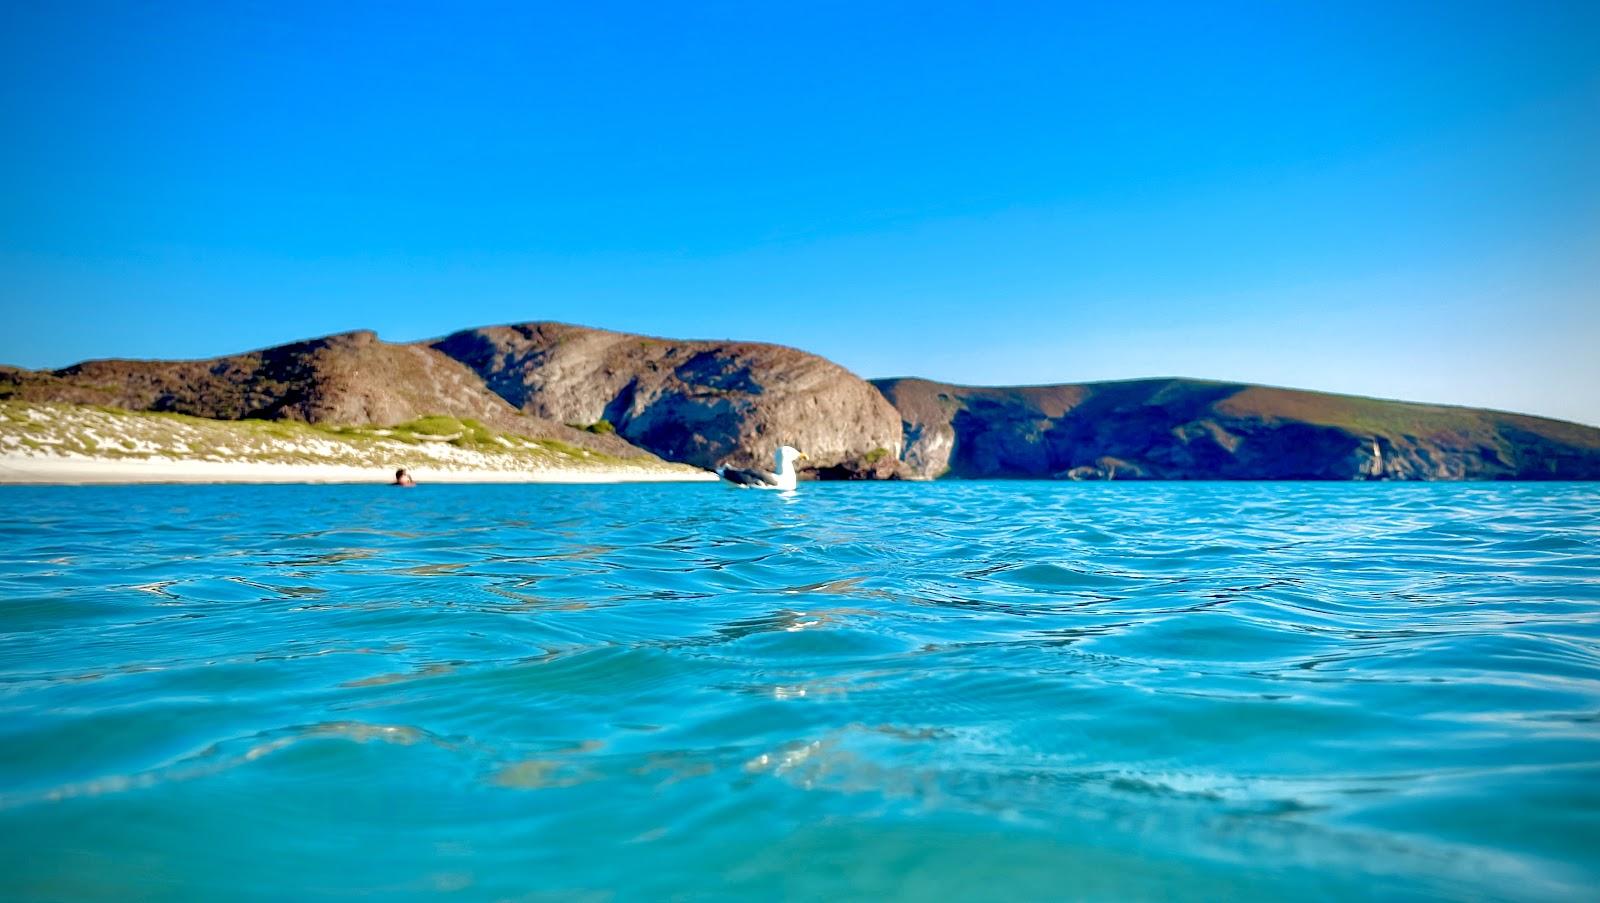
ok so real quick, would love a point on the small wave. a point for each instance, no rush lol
(223, 756)
(1384, 690)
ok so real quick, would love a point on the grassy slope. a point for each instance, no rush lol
(440, 441)
(350, 378)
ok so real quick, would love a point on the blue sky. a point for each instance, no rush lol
(1392, 199)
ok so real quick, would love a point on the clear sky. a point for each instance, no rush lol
(1391, 199)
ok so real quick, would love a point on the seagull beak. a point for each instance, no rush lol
(804, 456)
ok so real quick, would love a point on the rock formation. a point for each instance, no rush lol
(1191, 429)
(706, 403)
(347, 379)
(709, 403)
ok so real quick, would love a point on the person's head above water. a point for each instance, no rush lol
(403, 478)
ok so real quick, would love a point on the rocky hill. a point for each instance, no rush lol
(700, 402)
(347, 379)
(1191, 429)
(708, 403)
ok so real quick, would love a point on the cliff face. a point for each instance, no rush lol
(709, 403)
(347, 379)
(705, 403)
(1189, 429)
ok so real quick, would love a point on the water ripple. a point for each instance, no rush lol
(963, 690)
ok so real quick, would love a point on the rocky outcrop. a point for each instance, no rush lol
(347, 379)
(1191, 429)
(709, 403)
(879, 464)
(706, 403)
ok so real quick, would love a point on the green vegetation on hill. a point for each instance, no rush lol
(551, 389)
(438, 440)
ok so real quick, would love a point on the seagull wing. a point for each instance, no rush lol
(756, 478)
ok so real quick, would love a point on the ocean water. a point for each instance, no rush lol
(964, 691)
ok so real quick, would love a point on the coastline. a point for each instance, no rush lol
(34, 470)
(75, 444)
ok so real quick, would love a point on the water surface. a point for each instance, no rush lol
(949, 691)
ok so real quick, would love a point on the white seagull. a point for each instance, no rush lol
(761, 479)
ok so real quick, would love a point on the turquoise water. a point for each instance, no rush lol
(992, 691)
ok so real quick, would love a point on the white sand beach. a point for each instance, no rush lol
(73, 444)
(24, 469)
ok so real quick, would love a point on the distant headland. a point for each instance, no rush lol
(547, 400)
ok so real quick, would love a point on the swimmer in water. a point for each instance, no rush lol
(402, 478)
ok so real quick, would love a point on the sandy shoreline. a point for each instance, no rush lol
(47, 470)
(77, 444)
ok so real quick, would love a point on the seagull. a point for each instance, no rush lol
(761, 479)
